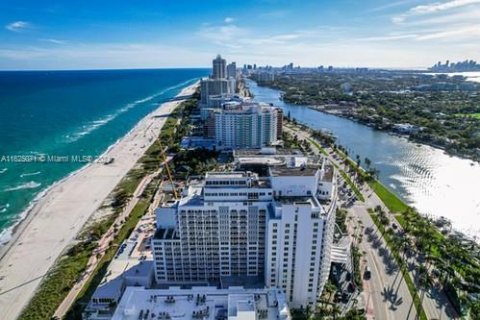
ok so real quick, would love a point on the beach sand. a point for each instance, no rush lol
(56, 218)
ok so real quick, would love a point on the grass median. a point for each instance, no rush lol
(393, 202)
(352, 186)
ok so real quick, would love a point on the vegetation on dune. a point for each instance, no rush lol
(84, 296)
(57, 282)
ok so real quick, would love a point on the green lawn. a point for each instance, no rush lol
(472, 115)
(393, 203)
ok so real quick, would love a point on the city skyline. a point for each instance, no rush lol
(398, 34)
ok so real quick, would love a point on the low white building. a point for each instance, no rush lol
(208, 303)
(123, 272)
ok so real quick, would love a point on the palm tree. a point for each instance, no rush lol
(367, 162)
(330, 288)
(424, 280)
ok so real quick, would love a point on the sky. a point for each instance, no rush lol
(106, 34)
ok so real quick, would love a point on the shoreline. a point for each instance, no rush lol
(8, 233)
(454, 229)
(54, 217)
(393, 132)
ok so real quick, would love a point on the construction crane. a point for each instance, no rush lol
(167, 167)
(175, 193)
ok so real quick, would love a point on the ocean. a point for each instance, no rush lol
(74, 114)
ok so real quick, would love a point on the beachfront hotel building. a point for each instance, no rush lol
(215, 87)
(245, 125)
(272, 226)
(221, 83)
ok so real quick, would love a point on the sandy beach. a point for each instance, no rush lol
(55, 219)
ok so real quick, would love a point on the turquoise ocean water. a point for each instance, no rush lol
(69, 113)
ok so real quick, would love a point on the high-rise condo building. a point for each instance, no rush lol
(245, 125)
(272, 227)
(219, 84)
(232, 70)
(214, 88)
(219, 68)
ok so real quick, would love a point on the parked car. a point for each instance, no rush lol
(367, 274)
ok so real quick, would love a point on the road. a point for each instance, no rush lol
(378, 290)
(386, 294)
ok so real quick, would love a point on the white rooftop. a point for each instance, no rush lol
(202, 303)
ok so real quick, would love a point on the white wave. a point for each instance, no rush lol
(6, 234)
(4, 208)
(28, 185)
(3, 170)
(30, 174)
(93, 125)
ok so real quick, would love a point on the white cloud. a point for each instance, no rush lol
(54, 41)
(463, 17)
(229, 20)
(389, 37)
(222, 35)
(18, 26)
(441, 6)
(391, 5)
(456, 34)
(435, 8)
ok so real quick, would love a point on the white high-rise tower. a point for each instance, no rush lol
(219, 68)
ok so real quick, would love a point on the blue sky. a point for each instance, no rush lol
(166, 33)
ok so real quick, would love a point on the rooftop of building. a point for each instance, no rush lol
(245, 106)
(266, 152)
(120, 269)
(328, 173)
(306, 200)
(227, 175)
(202, 303)
(303, 171)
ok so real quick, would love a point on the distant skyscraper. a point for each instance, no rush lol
(219, 65)
(232, 70)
